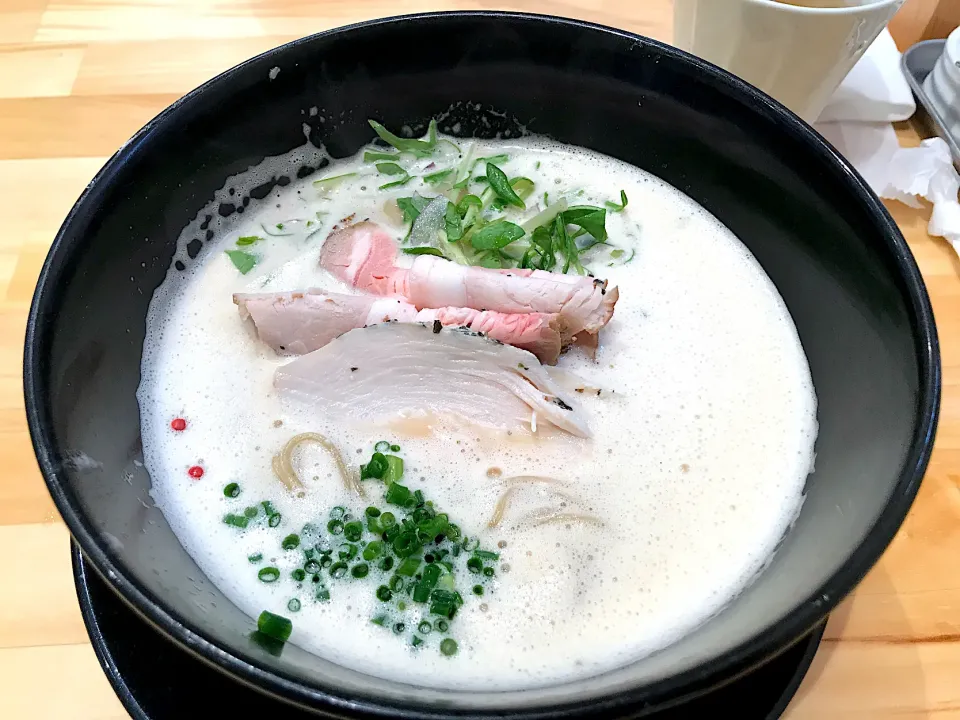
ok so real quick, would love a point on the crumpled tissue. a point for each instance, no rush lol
(866, 138)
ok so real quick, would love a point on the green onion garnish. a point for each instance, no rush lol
(379, 620)
(420, 148)
(268, 574)
(236, 520)
(376, 468)
(231, 490)
(475, 565)
(441, 626)
(398, 494)
(488, 572)
(399, 628)
(250, 512)
(416, 641)
(394, 469)
(486, 555)
(372, 512)
(312, 567)
(408, 567)
(299, 574)
(478, 589)
(448, 647)
(338, 569)
(360, 570)
(424, 628)
(338, 512)
(406, 543)
(386, 564)
(335, 527)
(394, 448)
(322, 594)
(373, 550)
(347, 551)
(396, 583)
(290, 542)
(353, 531)
(268, 508)
(274, 520)
(382, 447)
(293, 605)
(388, 520)
(275, 626)
(384, 594)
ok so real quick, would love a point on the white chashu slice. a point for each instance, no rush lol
(394, 371)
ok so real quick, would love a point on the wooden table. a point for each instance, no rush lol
(77, 78)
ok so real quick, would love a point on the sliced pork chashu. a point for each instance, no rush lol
(394, 371)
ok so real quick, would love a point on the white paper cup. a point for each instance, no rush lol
(797, 54)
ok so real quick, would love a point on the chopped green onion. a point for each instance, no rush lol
(388, 520)
(338, 569)
(384, 594)
(474, 565)
(353, 531)
(293, 605)
(360, 570)
(290, 542)
(248, 240)
(394, 448)
(441, 626)
(235, 520)
(398, 494)
(383, 446)
(614, 206)
(376, 468)
(275, 626)
(323, 594)
(486, 555)
(299, 574)
(590, 218)
(274, 520)
(312, 567)
(421, 593)
(242, 261)
(335, 527)
(379, 620)
(399, 628)
(409, 566)
(268, 508)
(231, 490)
(416, 641)
(347, 551)
(406, 543)
(424, 628)
(268, 574)
(448, 647)
(372, 512)
(338, 512)
(396, 583)
(373, 550)
(478, 589)
(394, 469)
(489, 572)
(255, 558)
(250, 512)
(386, 564)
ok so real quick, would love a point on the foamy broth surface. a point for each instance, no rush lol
(702, 438)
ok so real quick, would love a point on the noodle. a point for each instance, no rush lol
(515, 483)
(283, 463)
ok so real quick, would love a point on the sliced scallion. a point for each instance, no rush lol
(268, 574)
(275, 626)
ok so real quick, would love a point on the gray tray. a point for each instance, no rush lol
(917, 63)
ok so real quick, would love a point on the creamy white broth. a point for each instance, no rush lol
(702, 438)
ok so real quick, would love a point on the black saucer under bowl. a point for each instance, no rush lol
(155, 679)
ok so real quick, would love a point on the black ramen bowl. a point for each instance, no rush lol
(836, 257)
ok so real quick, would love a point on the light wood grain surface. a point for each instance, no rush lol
(78, 77)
